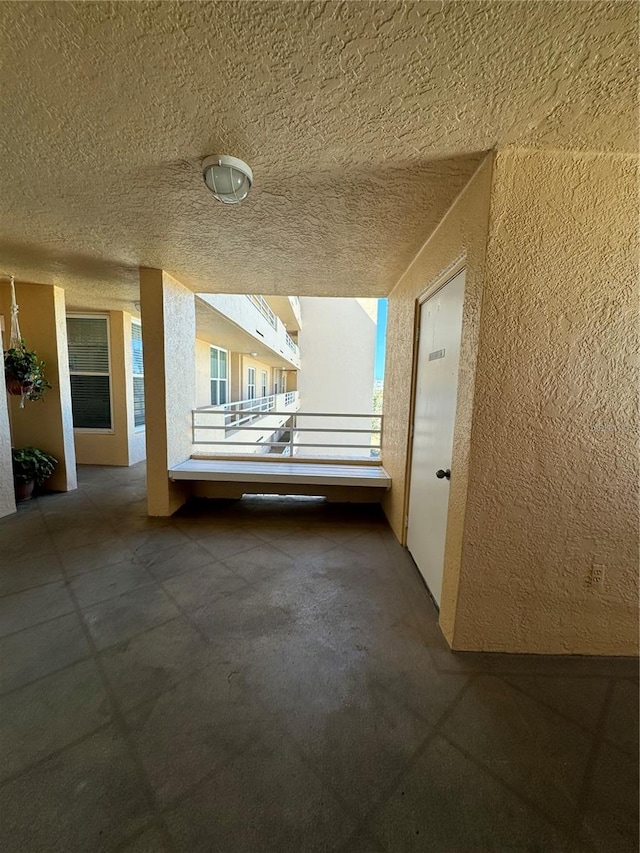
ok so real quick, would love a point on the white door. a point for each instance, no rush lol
(435, 412)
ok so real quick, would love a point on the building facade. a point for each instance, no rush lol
(248, 367)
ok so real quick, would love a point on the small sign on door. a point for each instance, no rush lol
(438, 353)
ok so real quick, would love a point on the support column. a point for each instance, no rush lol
(48, 424)
(168, 333)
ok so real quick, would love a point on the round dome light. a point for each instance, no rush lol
(228, 178)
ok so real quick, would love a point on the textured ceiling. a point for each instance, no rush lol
(362, 121)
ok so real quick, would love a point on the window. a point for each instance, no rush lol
(263, 392)
(88, 342)
(218, 376)
(251, 383)
(137, 368)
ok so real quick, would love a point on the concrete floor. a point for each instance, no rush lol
(269, 676)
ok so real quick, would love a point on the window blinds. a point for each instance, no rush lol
(88, 344)
(137, 365)
(136, 348)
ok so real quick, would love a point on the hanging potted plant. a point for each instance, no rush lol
(24, 373)
(31, 467)
(23, 370)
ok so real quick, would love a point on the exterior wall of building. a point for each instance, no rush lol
(109, 448)
(47, 424)
(337, 350)
(7, 500)
(553, 486)
(169, 322)
(237, 381)
(125, 443)
(244, 313)
(203, 374)
(546, 483)
(246, 362)
(459, 240)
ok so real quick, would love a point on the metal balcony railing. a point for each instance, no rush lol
(263, 307)
(246, 411)
(291, 343)
(231, 417)
(218, 427)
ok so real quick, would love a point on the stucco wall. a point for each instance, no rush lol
(337, 348)
(545, 462)
(203, 373)
(7, 501)
(245, 363)
(168, 333)
(125, 443)
(459, 240)
(237, 375)
(46, 424)
(553, 486)
(109, 448)
(245, 314)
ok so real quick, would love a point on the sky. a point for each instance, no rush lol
(381, 339)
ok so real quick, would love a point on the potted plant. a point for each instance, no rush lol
(24, 373)
(30, 467)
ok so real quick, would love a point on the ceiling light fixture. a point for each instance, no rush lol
(228, 178)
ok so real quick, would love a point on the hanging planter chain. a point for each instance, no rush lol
(15, 339)
(14, 386)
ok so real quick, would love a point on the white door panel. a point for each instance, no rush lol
(434, 419)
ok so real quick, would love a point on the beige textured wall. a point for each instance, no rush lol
(545, 459)
(459, 240)
(168, 332)
(48, 423)
(337, 350)
(125, 444)
(112, 448)
(203, 373)
(7, 500)
(237, 375)
(554, 481)
(245, 363)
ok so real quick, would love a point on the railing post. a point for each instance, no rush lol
(291, 435)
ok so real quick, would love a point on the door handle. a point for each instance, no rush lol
(443, 475)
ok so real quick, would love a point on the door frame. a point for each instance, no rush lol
(437, 284)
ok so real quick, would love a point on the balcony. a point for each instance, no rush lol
(274, 425)
(249, 324)
(267, 445)
(244, 427)
(287, 308)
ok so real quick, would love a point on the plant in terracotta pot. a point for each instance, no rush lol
(24, 373)
(30, 467)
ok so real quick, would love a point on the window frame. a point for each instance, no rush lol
(140, 427)
(263, 383)
(250, 384)
(75, 315)
(218, 379)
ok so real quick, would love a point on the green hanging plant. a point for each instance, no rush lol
(24, 373)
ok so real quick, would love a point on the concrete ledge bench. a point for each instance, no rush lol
(281, 473)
